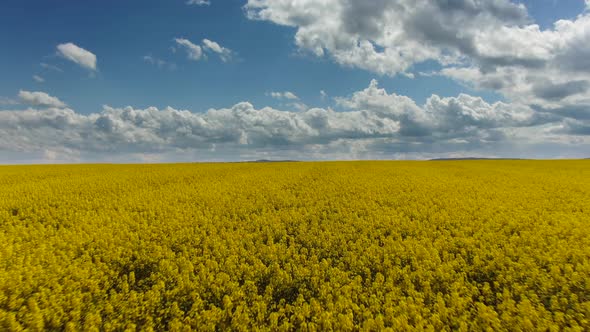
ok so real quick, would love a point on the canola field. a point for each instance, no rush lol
(344, 246)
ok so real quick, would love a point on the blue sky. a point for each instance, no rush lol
(273, 48)
(122, 33)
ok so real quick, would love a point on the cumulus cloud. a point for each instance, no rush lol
(388, 37)
(453, 117)
(38, 79)
(38, 98)
(151, 130)
(372, 124)
(492, 45)
(198, 2)
(556, 74)
(224, 53)
(78, 55)
(194, 52)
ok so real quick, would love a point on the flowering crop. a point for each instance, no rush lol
(454, 245)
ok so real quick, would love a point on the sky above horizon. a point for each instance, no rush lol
(221, 80)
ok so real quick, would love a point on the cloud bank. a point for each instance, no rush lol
(372, 123)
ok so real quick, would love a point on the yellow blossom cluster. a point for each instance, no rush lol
(433, 246)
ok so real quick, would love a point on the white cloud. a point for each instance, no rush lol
(293, 101)
(151, 130)
(290, 95)
(38, 98)
(323, 95)
(199, 2)
(197, 52)
(492, 45)
(388, 37)
(442, 117)
(372, 124)
(194, 52)
(77, 55)
(557, 72)
(283, 95)
(159, 62)
(38, 79)
(224, 53)
(298, 106)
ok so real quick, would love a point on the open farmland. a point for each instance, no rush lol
(453, 245)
